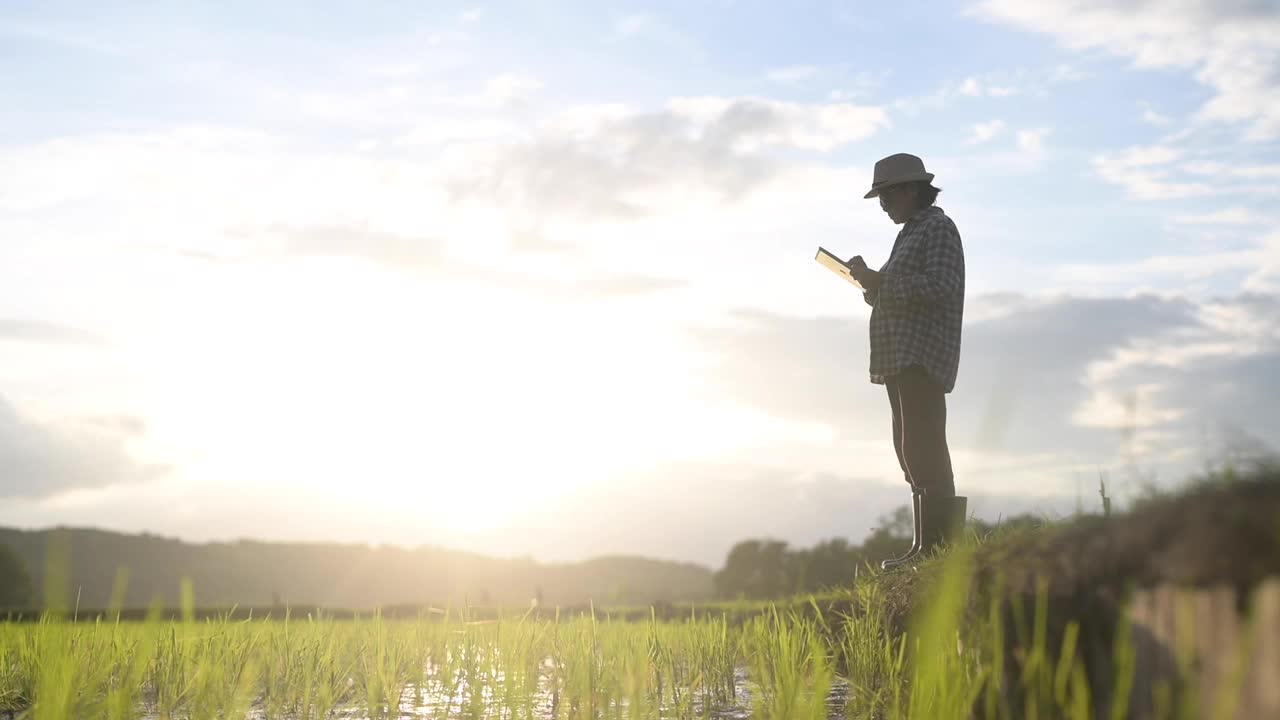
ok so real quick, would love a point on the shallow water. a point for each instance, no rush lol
(434, 705)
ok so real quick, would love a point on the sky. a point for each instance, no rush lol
(537, 278)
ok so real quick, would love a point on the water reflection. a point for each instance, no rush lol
(437, 701)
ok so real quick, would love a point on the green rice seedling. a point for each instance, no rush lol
(477, 663)
(583, 665)
(445, 665)
(384, 670)
(789, 667)
(136, 647)
(10, 695)
(659, 656)
(223, 669)
(873, 660)
(714, 658)
(53, 697)
(321, 681)
(941, 685)
(520, 654)
(946, 664)
(422, 649)
(281, 671)
(637, 690)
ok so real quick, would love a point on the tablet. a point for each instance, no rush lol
(835, 265)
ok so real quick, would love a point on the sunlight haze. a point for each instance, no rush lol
(538, 278)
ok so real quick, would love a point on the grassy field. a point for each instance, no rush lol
(976, 631)
(777, 664)
(781, 663)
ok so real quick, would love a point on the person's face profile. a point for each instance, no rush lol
(892, 201)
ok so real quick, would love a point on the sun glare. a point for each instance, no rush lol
(475, 401)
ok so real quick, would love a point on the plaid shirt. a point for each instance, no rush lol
(917, 310)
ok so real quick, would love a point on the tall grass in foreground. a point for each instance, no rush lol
(780, 664)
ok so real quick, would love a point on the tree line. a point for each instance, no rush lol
(764, 569)
(248, 573)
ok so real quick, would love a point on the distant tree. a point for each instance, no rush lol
(623, 593)
(756, 569)
(776, 577)
(764, 569)
(735, 577)
(15, 583)
(832, 564)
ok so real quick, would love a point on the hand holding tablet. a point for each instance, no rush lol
(839, 267)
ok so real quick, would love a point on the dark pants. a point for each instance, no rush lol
(920, 431)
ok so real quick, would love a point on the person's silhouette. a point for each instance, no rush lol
(917, 301)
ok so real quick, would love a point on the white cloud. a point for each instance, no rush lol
(200, 202)
(983, 132)
(791, 73)
(621, 163)
(471, 15)
(1225, 216)
(512, 87)
(1151, 117)
(1266, 276)
(1141, 171)
(1181, 268)
(1001, 436)
(1233, 48)
(1222, 170)
(990, 85)
(977, 87)
(444, 130)
(41, 459)
(1152, 172)
(43, 332)
(1105, 408)
(1031, 141)
(1049, 381)
(1166, 387)
(760, 122)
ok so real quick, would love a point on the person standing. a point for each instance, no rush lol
(917, 301)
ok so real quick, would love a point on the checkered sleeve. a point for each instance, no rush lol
(943, 275)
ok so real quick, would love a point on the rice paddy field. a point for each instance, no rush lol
(777, 664)
(770, 663)
(1024, 625)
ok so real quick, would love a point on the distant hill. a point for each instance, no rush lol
(252, 573)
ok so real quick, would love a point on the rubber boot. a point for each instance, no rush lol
(942, 520)
(915, 540)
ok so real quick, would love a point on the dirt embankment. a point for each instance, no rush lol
(1186, 574)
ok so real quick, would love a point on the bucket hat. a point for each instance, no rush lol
(897, 169)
